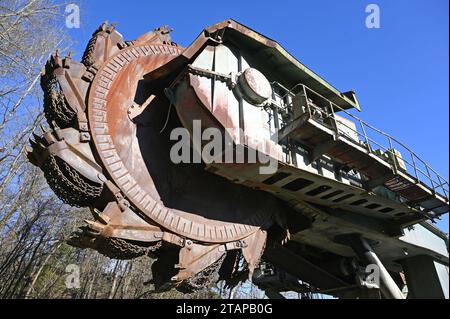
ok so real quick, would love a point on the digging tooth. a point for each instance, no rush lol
(43, 129)
(37, 138)
(34, 145)
(31, 156)
(104, 25)
(29, 153)
(39, 143)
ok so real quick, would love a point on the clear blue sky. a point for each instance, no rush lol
(400, 71)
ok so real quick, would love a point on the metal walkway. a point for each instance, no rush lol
(382, 159)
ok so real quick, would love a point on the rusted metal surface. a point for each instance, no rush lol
(255, 86)
(105, 150)
(109, 144)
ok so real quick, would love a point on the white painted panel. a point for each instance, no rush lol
(420, 236)
(205, 61)
(442, 272)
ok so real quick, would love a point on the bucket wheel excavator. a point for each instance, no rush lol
(331, 206)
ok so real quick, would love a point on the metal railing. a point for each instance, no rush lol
(414, 166)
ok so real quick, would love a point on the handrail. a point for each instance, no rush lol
(440, 184)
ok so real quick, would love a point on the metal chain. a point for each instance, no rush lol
(203, 279)
(118, 248)
(112, 247)
(56, 107)
(88, 55)
(68, 185)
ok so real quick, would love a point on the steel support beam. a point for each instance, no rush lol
(365, 252)
(302, 268)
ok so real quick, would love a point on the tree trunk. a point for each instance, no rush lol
(114, 283)
(37, 274)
